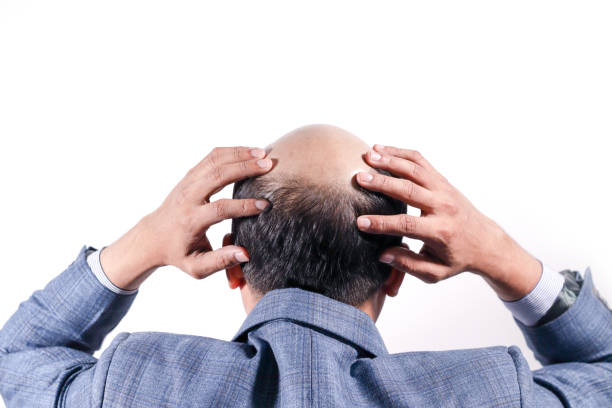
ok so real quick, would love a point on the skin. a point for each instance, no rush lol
(175, 233)
(325, 155)
(322, 154)
(457, 237)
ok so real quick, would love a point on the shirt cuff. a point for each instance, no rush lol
(533, 306)
(93, 260)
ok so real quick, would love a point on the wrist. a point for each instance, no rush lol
(510, 270)
(131, 259)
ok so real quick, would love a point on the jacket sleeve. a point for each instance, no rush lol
(575, 350)
(49, 341)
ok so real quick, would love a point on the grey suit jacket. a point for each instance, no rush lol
(295, 349)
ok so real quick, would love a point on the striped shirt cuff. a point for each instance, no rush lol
(93, 260)
(533, 306)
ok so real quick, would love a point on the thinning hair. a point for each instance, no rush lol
(308, 238)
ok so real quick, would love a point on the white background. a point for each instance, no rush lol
(105, 105)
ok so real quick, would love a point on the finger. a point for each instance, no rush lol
(418, 265)
(204, 264)
(400, 167)
(406, 154)
(400, 224)
(227, 208)
(220, 176)
(224, 155)
(400, 189)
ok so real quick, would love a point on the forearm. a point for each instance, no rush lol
(508, 268)
(529, 289)
(74, 310)
(50, 339)
(582, 332)
(130, 260)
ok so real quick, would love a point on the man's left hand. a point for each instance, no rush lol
(456, 236)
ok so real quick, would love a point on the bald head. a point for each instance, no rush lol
(307, 238)
(319, 154)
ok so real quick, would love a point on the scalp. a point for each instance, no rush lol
(320, 155)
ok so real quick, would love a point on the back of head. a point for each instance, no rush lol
(308, 237)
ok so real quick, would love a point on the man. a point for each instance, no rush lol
(315, 250)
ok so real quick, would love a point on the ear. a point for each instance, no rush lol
(393, 282)
(235, 277)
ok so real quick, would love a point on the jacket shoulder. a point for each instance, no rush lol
(161, 368)
(149, 344)
(483, 377)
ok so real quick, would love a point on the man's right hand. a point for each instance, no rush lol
(456, 236)
(175, 233)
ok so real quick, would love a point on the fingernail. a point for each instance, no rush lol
(387, 258)
(363, 222)
(257, 152)
(241, 257)
(365, 177)
(261, 204)
(263, 163)
(375, 156)
(379, 147)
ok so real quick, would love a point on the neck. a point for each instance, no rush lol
(373, 305)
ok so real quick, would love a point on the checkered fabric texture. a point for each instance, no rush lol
(295, 349)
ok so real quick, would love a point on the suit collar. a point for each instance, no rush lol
(318, 311)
